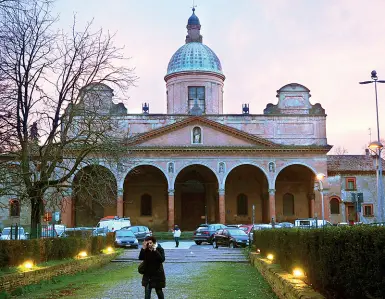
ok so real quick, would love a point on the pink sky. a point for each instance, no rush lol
(328, 46)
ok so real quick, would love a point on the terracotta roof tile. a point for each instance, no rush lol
(351, 163)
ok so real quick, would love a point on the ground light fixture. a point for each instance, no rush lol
(82, 254)
(298, 272)
(270, 257)
(109, 249)
(27, 265)
(258, 251)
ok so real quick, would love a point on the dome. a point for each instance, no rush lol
(194, 56)
(193, 20)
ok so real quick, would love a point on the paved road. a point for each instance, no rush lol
(188, 252)
(181, 266)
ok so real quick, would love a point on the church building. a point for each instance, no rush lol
(196, 164)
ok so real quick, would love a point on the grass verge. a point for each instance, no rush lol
(229, 281)
(86, 284)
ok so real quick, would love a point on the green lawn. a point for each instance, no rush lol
(229, 281)
(85, 284)
(212, 280)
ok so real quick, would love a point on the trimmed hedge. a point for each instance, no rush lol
(339, 262)
(15, 252)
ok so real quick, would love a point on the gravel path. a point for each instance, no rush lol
(177, 275)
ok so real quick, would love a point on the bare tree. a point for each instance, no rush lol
(56, 115)
(340, 150)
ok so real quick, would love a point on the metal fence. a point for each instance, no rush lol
(16, 232)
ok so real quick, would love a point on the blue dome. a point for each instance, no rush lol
(194, 57)
(193, 20)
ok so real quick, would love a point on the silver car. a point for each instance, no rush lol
(6, 234)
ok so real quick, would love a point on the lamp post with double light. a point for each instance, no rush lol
(320, 177)
(376, 147)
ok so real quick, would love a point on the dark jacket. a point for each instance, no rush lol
(154, 272)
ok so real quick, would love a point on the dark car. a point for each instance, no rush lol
(205, 233)
(230, 237)
(140, 231)
(125, 238)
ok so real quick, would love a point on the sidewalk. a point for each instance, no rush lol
(171, 244)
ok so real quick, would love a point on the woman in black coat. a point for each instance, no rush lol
(153, 278)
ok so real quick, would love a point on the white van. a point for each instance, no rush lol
(311, 223)
(111, 225)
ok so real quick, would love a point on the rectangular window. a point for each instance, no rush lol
(14, 208)
(368, 210)
(196, 94)
(351, 184)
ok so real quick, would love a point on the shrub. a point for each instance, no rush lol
(15, 252)
(340, 262)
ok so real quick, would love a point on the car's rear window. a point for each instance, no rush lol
(237, 232)
(202, 228)
(125, 233)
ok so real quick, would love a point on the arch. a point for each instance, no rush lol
(223, 184)
(246, 180)
(95, 194)
(136, 165)
(146, 205)
(286, 166)
(334, 205)
(177, 172)
(288, 204)
(144, 194)
(196, 196)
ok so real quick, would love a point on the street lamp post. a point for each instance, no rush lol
(320, 177)
(377, 146)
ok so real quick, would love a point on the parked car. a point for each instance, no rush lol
(230, 237)
(140, 231)
(311, 223)
(285, 224)
(206, 232)
(249, 228)
(113, 224)
(234, 225)
(125, 238)
(6, 234)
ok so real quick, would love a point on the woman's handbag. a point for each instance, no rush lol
(141, 267)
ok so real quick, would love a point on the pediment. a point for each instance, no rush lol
(200, 132)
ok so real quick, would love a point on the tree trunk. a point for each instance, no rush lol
(36, 206)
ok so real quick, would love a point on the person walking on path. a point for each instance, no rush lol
(154, 277)
(176, 233)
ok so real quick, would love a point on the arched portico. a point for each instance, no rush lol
(196, 196)
(145, 197)
(94, 193)
(246, 185)
(294, 192)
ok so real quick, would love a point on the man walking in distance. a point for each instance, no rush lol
(176, 233)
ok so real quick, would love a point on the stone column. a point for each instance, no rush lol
(171, 209)
(311, 204)
(120, 204)
(222, 207)
(272, 204)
